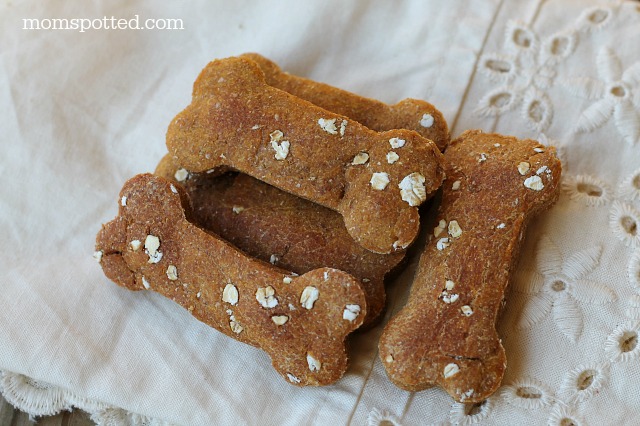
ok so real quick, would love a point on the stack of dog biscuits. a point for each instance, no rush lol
(274, 219)
(284, 205)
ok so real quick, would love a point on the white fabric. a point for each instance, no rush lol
(83, 112)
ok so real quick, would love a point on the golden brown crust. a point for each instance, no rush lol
(411, 114)
(237, 120)
(300, 321)
(277, 227)
(446, 333)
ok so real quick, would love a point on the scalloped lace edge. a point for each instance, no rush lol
(37, 398)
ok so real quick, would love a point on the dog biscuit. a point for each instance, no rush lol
(446, 333)
(376, 181)
(412, 114)
(301, 322)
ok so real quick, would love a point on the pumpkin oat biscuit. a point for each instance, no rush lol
(446, 334)
(301, 322)
(376, 181)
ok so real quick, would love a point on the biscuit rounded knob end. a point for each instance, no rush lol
(230, 72)
(272, 71)
(368, 224)
(402, 349)
(331, 304)
(427, 121)
(381, 200)
(111, 244)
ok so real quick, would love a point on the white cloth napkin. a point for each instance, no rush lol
(81, 112)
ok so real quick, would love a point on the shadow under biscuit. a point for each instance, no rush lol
(277, 227)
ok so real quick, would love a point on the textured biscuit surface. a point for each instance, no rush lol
(446, 333)
(412, 114)
(374, 180)
(300, 321)
(275, 226)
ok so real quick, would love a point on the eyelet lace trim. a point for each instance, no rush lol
(37, 398)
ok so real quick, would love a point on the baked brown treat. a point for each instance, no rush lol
(412, 114)
(300, 321)
(446, 333)
(376, 181)
(277, 227)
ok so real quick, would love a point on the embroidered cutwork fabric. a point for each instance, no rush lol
(84, 111)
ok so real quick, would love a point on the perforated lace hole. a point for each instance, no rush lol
(598, 16)
(567, 422)
(474, 409)
(589, 189)
(634, 273)
(636, 182)
(536, 111)
(498, 66)
(625, 221)
(528, 392)
(500, 100)
(559, 45)
(630, 225)
(628, 341)
(558, 285)
(618, 91)
(382, 418)
(521, 38)
(586, 379)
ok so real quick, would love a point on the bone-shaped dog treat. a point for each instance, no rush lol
(412, 114)
(376, 181)
(278, 227)
(300, 321)
(446, 333)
